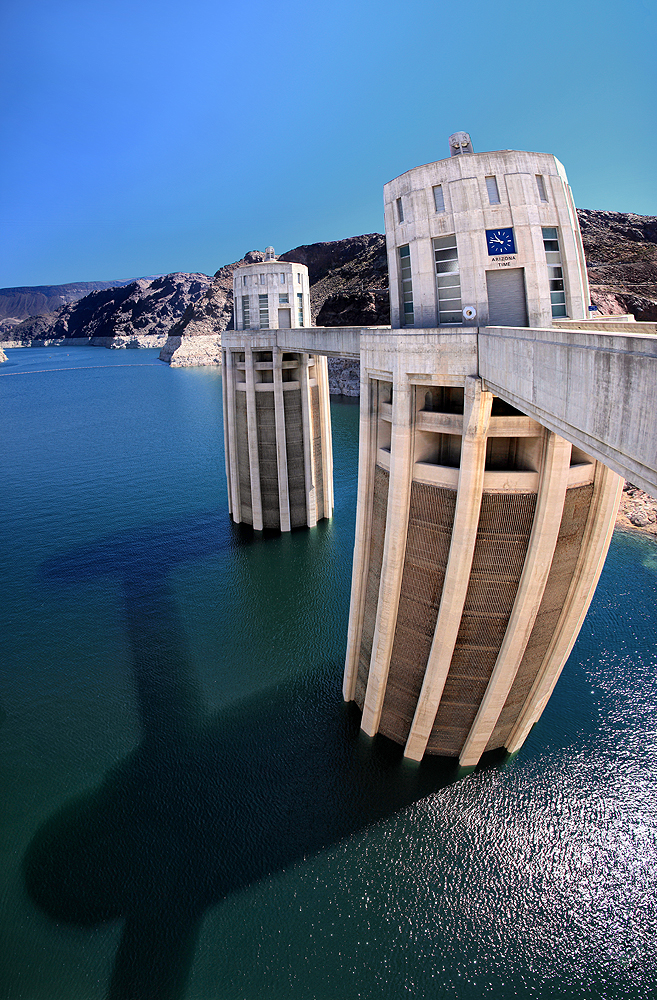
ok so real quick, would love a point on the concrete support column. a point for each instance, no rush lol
(230, 437)
(252, 430)
(366, 465)
(308, 457)
(607, 490)
(476, 417)
(553, 482)
(281, 444)
(394, 550)
(321, 368)
(224, 404)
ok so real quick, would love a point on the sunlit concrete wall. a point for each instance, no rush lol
(465, 210)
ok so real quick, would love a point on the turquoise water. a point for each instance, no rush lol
(190, 811)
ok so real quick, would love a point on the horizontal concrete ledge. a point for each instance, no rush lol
(335, 342)
(348, 342)
(608, 324)
(596, 389)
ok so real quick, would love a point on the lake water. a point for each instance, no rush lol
(190, 810)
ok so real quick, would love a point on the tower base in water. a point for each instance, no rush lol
(277, 433)
(480, 538)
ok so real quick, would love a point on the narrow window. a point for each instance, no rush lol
(244, 280)
(540, 184)
(300, 307)
(246, 316)
(298, 277)
(439, 198)
(400, 210)
(493, 192)
(263, 279)
(263, 308)
(283, 297)
(282, 279)
(448, 280)
(555, 270)
(408, 316)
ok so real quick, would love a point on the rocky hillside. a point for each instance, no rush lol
(34, 300)
(621, 254)
(141, 308)
(348, 280)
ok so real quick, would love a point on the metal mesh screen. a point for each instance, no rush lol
(505, 524)
(295, 465)
(244, 473)
(427, 550)
(564, 561)
(266, 424)
(316, 431)
(379, 514)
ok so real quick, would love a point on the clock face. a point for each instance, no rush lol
(500, 241)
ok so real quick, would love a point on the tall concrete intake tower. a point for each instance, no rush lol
(277, 425)
(480, 533)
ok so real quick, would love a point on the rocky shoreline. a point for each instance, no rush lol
(637, 511)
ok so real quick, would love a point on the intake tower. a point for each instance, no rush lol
(480, 533)
(277, 426)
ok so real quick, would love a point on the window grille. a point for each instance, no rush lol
(246, 316)
(448, 280)
(408, 316)
(555, 271)
(263, 308)
(300, 307)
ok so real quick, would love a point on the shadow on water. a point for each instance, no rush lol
(205, 805)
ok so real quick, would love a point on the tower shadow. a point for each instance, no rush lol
(206, 804)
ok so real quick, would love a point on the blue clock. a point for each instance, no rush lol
(500, 241)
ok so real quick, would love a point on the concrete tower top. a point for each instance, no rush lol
(271, 294)
(485, 239)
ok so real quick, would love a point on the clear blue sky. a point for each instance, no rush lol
(144, 137)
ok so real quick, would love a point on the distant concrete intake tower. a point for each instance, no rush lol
(277, 426)
(480, 534)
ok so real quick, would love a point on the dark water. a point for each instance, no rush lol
(190, 809)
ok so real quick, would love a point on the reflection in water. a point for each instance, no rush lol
(205, 805)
